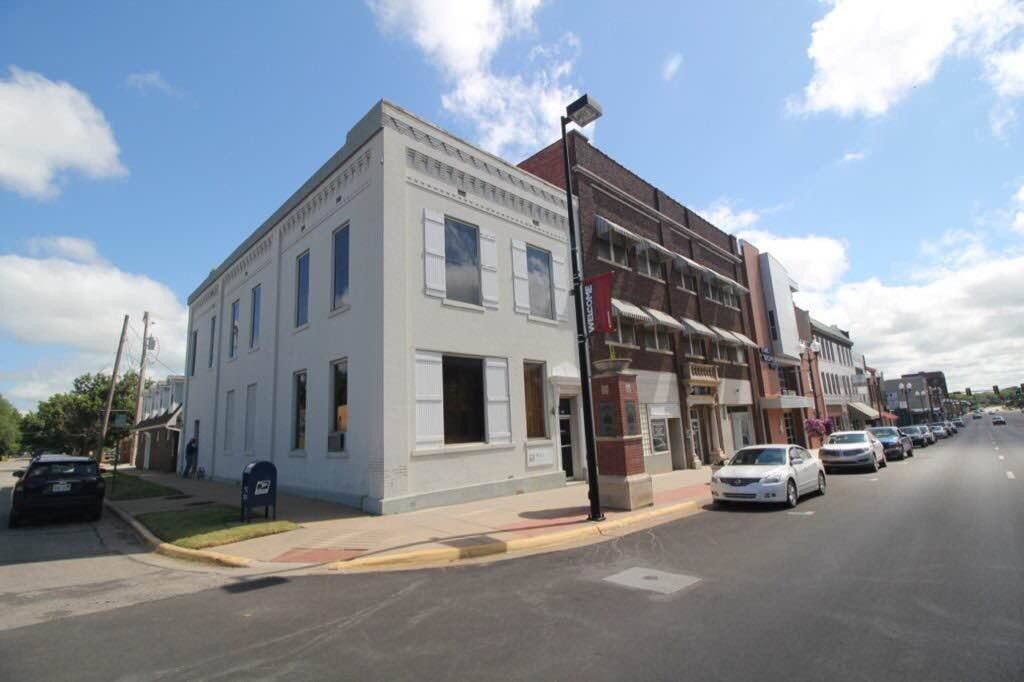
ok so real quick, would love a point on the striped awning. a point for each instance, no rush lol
(725, 335)
(695, 328)
(726, 281)
(866, 410)
(632, 312)
(681, 262)
(745, 340)
(664, 319)
(604, 226)
(656, 251)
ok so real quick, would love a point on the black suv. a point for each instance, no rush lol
(55, 483)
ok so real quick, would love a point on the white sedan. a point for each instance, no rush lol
(768, 473)
(853, 450)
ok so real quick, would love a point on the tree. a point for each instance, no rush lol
(10, 429)
(71, 422)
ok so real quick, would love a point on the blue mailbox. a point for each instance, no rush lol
(259, 489)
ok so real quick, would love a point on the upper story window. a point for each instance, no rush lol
(236, 306)
(646, 264)
(254, 316)
(686, 280)
(213, 340)
(542, 301)
(339, 297)
(462, 262)
(721, 295)
(694, 346)
(657, 338)
(613, 247)
(193, 351)
(302, 289)
(773, 327)
(625, 332)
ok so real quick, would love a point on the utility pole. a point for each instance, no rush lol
(110, 393)
(141, 386)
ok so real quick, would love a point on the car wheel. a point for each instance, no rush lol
(97, 512)
(13, 520)
(874, 462)
(791, 495)
(884, 462)
(910, 452)
(821, 483)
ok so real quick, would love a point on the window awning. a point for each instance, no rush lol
(725, 281)
(866, 410)
(632, 312)
(681, 262)
(664, 319)
(605, 226)
(695, 328)
(725, 335)
(745, 340)
(657, 251)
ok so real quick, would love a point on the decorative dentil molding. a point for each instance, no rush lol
(466, 184)
(490, 167)
(327, 190)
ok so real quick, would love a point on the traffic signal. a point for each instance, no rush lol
(995, 389)
(969, 389)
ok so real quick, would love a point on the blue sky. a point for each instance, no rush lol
(874, 149)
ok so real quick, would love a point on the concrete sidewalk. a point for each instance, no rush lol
(334, 533)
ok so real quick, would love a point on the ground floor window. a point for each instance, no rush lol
(299, 417)
(463, 380)
(787, 420)
(659, 435)
(607, 427)
(339, 399)
(533, 380)
(632, 422)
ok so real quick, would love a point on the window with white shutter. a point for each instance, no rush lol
(520, 277)
(429, 399)
(499, 429)
(433, 253)
(489, 269)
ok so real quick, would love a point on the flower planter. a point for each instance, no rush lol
(612, 365)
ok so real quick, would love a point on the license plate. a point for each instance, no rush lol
(60, 487)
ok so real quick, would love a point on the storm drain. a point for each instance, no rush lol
(654, 581)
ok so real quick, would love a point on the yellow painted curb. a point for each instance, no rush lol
(449, 554)
(167, 549)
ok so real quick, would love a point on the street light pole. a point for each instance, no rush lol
(582, 111)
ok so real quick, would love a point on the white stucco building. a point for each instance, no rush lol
(398, 334)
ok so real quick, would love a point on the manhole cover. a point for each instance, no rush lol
(649, 579)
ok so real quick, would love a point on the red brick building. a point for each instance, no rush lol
(681, 306)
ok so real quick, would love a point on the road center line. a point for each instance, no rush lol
(1009, 475)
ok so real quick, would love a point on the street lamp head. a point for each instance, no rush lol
(815, 346)
(583, 111)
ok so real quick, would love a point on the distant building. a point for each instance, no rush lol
(159, 428)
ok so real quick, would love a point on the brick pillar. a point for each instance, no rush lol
(624, 481)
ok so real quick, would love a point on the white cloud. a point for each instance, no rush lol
(816, 263)
(722, 215)
(70, 248)
(512, 113)
(1018, 222)
(869, 54)
(670, 68)
(850, 157)
(47, 128)
(1019, 196)
(76, 305)
(147, 81)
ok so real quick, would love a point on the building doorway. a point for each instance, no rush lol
(790, 424)
(565, 435)
(697, 434)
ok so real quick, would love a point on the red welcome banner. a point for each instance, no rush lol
(597, 304)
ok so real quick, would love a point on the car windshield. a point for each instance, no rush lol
(885, 432)
(759, 456)
(936, 427)
(844, 438)
(53, 469)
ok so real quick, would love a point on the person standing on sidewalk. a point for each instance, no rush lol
(191, 455)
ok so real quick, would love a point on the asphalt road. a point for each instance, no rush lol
(913, 573)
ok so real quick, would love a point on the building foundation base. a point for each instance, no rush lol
(626, 492)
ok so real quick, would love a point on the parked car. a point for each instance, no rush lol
(920, 436)
(939, 430)
(894, 443)
(852, 449)
(55, 483)
(959, 423)
(998, 419)
(976, 415)
(768, 473)
(950, 427)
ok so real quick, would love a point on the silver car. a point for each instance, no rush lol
(852, 450)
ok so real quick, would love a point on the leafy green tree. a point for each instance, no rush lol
(10, 429)
(71, 422)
